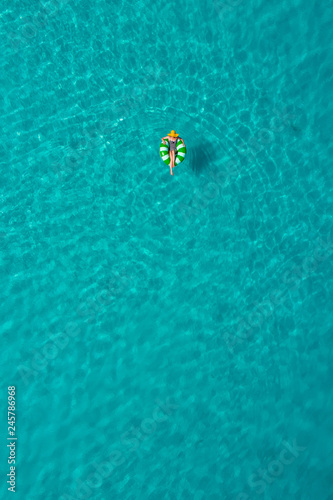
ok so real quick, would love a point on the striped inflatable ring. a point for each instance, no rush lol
(180, 152)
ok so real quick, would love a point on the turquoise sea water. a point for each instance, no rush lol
(168, 337)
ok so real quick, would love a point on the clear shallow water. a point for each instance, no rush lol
(124, 286)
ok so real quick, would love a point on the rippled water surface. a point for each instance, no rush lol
(168, 337)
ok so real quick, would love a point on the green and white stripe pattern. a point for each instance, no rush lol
(180, 152)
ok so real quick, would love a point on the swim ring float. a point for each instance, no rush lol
(180, 152)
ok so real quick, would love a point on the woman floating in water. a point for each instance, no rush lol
(172, 138)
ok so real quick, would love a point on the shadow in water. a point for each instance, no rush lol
(201, 158)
